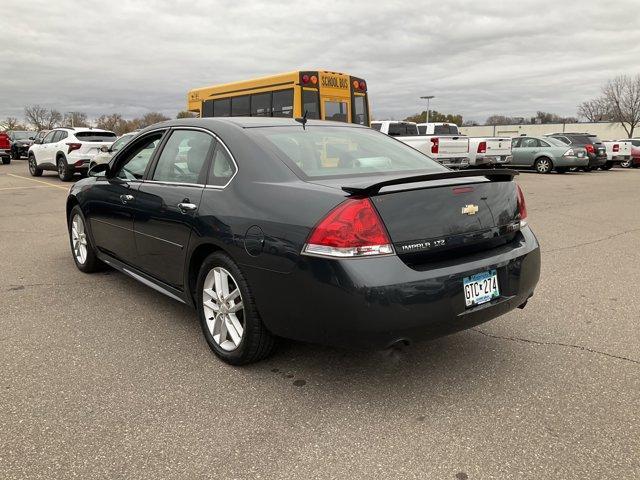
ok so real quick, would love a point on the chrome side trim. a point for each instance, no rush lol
(148, 283)
(158, 238)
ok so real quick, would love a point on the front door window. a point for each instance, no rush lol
(336, 110)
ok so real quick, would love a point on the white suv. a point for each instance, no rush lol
(68, 150)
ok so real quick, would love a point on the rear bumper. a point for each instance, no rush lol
(5, 152)
(619, 158)
(455, 162)
(79, 162)
(375, 302)
(595, 161)
(571, 161)
(492, 160)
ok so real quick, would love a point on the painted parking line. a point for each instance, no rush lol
(39, 181)
(22, 188)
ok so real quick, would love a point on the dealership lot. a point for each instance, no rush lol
(104, 377)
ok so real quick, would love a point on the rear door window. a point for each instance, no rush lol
(529, 143)
(240, 106)
(49, 137)
(261, 104)
(222, 107)
(183, 157)
(222, 167)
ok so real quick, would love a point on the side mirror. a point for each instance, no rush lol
(32, 138)
(99, 170)
(105, 149)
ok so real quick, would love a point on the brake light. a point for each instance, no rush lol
(435, 144)
(314, 79)
(305, 78)
(352, 229)
(482, 147)
(522, 207)
(590, 148)
(73, 146)
(616, 148)
(356, 84)
(363, 86)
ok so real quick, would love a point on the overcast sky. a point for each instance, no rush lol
(477, 57)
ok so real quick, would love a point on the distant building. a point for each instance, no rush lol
(604, 130)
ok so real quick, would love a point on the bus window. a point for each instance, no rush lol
(240, 106)
(207, 108)
(261, 104)
(283, 103)
(311, 103)
(360, 110)
(336, 111)
(222, 107)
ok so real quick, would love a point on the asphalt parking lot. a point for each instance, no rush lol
(102, 377)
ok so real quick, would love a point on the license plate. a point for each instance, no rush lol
(480, 288)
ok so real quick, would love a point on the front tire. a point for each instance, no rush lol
(228, 315)
(34, 170)
(14, 154)
(84, 253)
(543, 165)
(64, 172)
(6, 160)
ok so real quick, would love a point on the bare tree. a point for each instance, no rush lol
(499, 120)
(622, 96)
(595, 110)
(12, 123)
(42, 119)
(75, 119)
(151, 118)
(186, 114)
(115, 123)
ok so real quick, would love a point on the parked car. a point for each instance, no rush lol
(596, 151)
(489, 151)
(547, 154)
(5, 148)
(618, 151)
(253, 226)
(67, 150)
(21, 140)
(634, 161)
(108, 151)
(449, 150)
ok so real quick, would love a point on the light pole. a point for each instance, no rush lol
(428, 98)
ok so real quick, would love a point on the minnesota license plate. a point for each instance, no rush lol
(480, 288)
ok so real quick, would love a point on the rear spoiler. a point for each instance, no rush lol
(373, 188)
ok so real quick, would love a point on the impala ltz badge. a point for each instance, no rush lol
(470, 209)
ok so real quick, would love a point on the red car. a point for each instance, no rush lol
(5, 148)
(635, 154)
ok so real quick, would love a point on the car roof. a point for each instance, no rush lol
(248, 122)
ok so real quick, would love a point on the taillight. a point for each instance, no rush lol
(314, 79)
(73, 146)
(352, 229)
(356, 85)
(522, 207)
(482, 147)
(590, 148)
(435, 144)
(305, 78)
(616, 148)
(363, 86)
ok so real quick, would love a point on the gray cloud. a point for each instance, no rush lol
(477, 58)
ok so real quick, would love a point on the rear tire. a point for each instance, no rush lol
(64, 172)
(607, 166)
(231, 325)
(14, 154)
(543, 165)
(34, 170)
(562, 169)
(626, 164)
(6, 160)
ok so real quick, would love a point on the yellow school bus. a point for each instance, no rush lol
(320, 94)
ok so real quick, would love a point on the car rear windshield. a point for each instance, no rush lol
(96, 136)
(403, 129)
(583, 139)
(445, 130)
(328, 152)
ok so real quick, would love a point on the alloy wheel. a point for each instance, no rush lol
(32, 165)
(79, 239)
(223, 308)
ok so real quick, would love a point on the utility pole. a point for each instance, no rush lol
(428, 98)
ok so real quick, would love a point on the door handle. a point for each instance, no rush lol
(126, 198)
(187, 207)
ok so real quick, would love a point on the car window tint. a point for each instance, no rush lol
(311, 103)
(63, 135)
(222, 107)
(542, 143)
(58, 136)
(529, 143)
(183, 157)
(376, 126)
(96, 136)
(118, 144)
(240, 106)
(135, 161)
(402, 129)
(515, 142)
(360, 110)
(49, 137)
(222, 168)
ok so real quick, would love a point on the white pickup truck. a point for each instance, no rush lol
(617, 152)
(449, 150)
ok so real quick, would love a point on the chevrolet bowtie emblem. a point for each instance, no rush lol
(470, 209)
